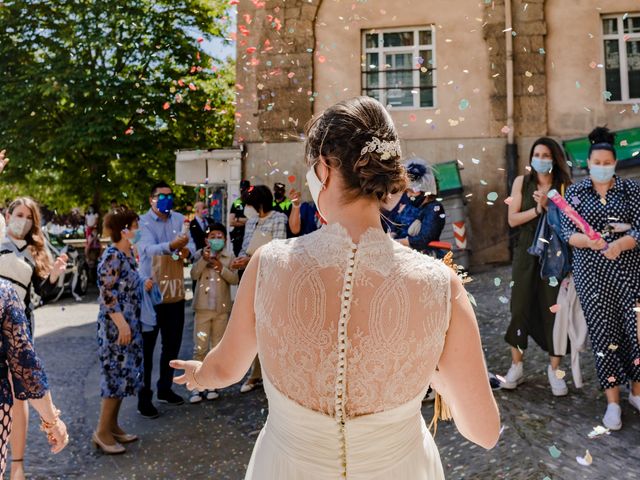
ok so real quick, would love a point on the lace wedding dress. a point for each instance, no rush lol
(349, 336)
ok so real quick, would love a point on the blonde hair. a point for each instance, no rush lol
(34, 237)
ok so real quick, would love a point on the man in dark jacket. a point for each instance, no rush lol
(198, 226)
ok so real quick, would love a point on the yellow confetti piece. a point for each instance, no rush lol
(613, 347)
(586, 460)
(560, 374)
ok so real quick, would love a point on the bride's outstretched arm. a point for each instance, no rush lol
(228, 362)
(462, 377)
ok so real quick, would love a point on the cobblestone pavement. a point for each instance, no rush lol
(213, 440)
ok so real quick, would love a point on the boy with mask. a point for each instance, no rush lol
(282, 204)
(212, 297)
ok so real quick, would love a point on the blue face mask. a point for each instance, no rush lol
(602, 173)
(541, 165)
(164, 203)
(216, 244)
(136, 238)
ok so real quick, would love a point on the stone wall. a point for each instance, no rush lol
(275, 69)
(529, 57)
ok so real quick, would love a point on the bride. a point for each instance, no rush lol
(351, 327)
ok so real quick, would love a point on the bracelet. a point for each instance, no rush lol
(46, 426)
(195, 380)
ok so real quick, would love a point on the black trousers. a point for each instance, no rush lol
(170, 318)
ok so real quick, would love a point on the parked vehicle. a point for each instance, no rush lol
(75, 279)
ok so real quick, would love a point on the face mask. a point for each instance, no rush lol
(164, 203)
(136, 237)
(19, 226)
(541, 165)
(216, 244)
(315, 187)
(602, 173)
(250, 212)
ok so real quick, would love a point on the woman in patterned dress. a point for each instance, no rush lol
(607, 271)
(29, 380)
(119, 328)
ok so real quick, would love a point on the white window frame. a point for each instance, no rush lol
(414, 50)
(622, 48)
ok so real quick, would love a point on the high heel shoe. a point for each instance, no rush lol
(108, 449)
(125, 437)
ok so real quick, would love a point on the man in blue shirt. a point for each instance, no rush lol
(165, 238)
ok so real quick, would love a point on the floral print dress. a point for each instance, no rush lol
(18, 358)
(119, 285)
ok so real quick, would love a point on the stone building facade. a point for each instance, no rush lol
(296, 57)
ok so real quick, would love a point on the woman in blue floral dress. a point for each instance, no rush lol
(18, 358)
(119, 328)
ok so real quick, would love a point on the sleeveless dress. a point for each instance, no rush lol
(349, 336)
(531, 296)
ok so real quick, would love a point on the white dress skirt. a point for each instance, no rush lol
(299, 443)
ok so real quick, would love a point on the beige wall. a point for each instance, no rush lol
(338, 39)
(570, 52)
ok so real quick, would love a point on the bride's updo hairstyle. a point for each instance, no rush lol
(358, 139)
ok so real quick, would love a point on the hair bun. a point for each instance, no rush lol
(380, 177)
(602, 135)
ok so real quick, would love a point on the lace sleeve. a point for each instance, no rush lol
(29, 378)
(108, 276)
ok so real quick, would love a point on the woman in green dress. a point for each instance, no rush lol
(531, 296)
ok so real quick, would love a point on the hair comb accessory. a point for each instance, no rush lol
(384, 147)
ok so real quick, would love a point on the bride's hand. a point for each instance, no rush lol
(189, 377)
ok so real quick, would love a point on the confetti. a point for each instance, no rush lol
(636, 362)
(613, 347)
(611, 379)
(586, 460)
(497, 282)
(166, 106)
(505, 129)
(554, 452)
(464, 104)
(560, 374)
(598, 431)
(504, 300)
(492, 196)
(553, 282)
(475, 161)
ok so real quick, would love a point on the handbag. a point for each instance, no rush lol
(169, 276)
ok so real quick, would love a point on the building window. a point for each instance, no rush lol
(621, 34)
(399, 66)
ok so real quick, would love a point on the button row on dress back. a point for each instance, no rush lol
(342, 347)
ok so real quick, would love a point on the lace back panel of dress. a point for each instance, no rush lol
(395, 329)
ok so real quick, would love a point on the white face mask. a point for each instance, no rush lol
(315, 187)
(19, 226)
(250, 212)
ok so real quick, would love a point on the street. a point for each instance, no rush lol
(214, 439)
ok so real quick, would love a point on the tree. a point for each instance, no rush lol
(98, 94)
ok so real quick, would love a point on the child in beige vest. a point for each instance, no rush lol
(212, 297)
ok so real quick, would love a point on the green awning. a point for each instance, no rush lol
(627, 147)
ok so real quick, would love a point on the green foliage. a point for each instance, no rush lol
(96, 95)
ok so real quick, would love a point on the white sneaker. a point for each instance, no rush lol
(634, 400)
(514, 377)
(558, 385)
(195, 397)
(612, 417)
(211, 394)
